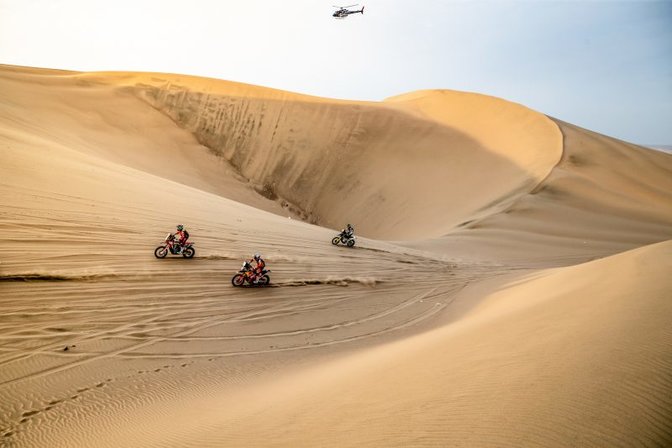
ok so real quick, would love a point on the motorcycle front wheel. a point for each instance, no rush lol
(238, 280)
(188, 252)
(335, 240)
(161, 252)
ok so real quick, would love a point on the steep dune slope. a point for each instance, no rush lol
(364, 162)
(428, 164)
(416, 167)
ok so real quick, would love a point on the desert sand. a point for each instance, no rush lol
(510, 285)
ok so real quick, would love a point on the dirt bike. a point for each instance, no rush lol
(344, 238)
(173, 246)
(249, 276)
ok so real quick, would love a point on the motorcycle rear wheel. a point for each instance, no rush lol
(189, 252)
(264, 280)
(161, 252)
(350, 243)
(238, 280)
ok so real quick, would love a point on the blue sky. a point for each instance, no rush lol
(602, 65)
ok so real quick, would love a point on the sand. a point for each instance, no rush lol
(510, 284)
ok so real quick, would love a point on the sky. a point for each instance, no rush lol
(602, 65)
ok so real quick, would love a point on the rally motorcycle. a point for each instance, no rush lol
(247, 275)
(171, 245)
(344, 238)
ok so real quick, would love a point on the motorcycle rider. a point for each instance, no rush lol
(181, 235)
(259, 265)
(348, 232)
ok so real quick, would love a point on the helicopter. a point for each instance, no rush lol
(342, 12)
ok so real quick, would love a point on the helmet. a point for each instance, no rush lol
(180, 227)
(257, 256)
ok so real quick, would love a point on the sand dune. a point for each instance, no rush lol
(527, 367)
(332, 159)
(444, 326)
(595, 202)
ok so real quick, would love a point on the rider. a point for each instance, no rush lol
(348, 232)
(259, 266)
(182, 236)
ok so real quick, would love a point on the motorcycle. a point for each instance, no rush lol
(173, 246)
(344, 238)
(247, 275)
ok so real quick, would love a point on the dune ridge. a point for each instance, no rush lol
(461, 334)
